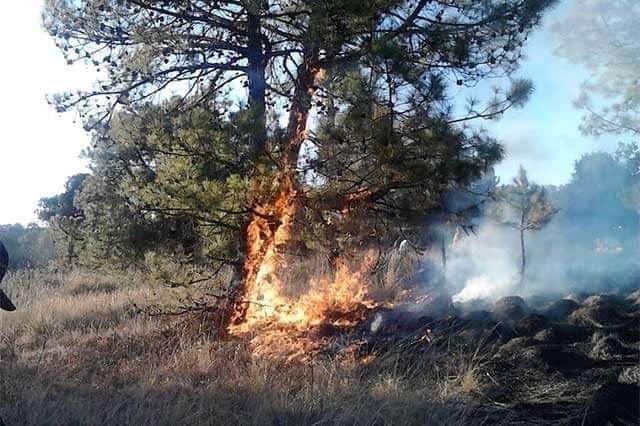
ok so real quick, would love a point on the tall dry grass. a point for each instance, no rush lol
(80, 351)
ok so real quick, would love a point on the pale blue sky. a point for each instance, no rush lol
(39, 148)
(543, 136)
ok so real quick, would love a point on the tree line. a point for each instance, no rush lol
(598, 205)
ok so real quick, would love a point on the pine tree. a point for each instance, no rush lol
(523, 206)
(374, 74)
(601, 35)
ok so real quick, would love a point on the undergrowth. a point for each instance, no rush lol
(81, 350)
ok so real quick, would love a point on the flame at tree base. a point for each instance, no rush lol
(294, 328)
(278, 324)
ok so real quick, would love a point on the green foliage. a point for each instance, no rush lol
(177, 177)
(524, 205)
(397, 170)
(160, 182)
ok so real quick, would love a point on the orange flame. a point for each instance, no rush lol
(276, 322)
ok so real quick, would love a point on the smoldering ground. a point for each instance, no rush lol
(574, 253)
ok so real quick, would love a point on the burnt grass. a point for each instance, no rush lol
(565, 361)
(89, 357)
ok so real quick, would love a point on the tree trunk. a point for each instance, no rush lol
(443, 251)
(256, 76)
(523, 258)
(308, 72)
(259, 232)
(257, 86)
(522, 228)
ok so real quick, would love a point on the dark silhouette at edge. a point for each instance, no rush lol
(5, 302)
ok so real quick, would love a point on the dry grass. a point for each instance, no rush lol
(79, 352)
(464, 380)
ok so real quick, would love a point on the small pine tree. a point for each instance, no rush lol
(523, 206)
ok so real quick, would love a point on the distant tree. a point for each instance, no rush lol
(598, 218)
(598, 202)
(598, 196)
(64, 216)
(628, 155)
(602, 35)
(523, 206)
(63, 205)
(597, 178)
(29, 247)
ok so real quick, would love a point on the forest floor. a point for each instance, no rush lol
(80, 351)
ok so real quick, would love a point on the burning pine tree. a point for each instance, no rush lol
(371, 141)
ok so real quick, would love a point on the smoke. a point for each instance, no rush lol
(586, 51)
(591, 245)
(482, 266)
(572, 255)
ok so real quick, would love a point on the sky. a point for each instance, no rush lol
(40, 148)
(544, 136)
